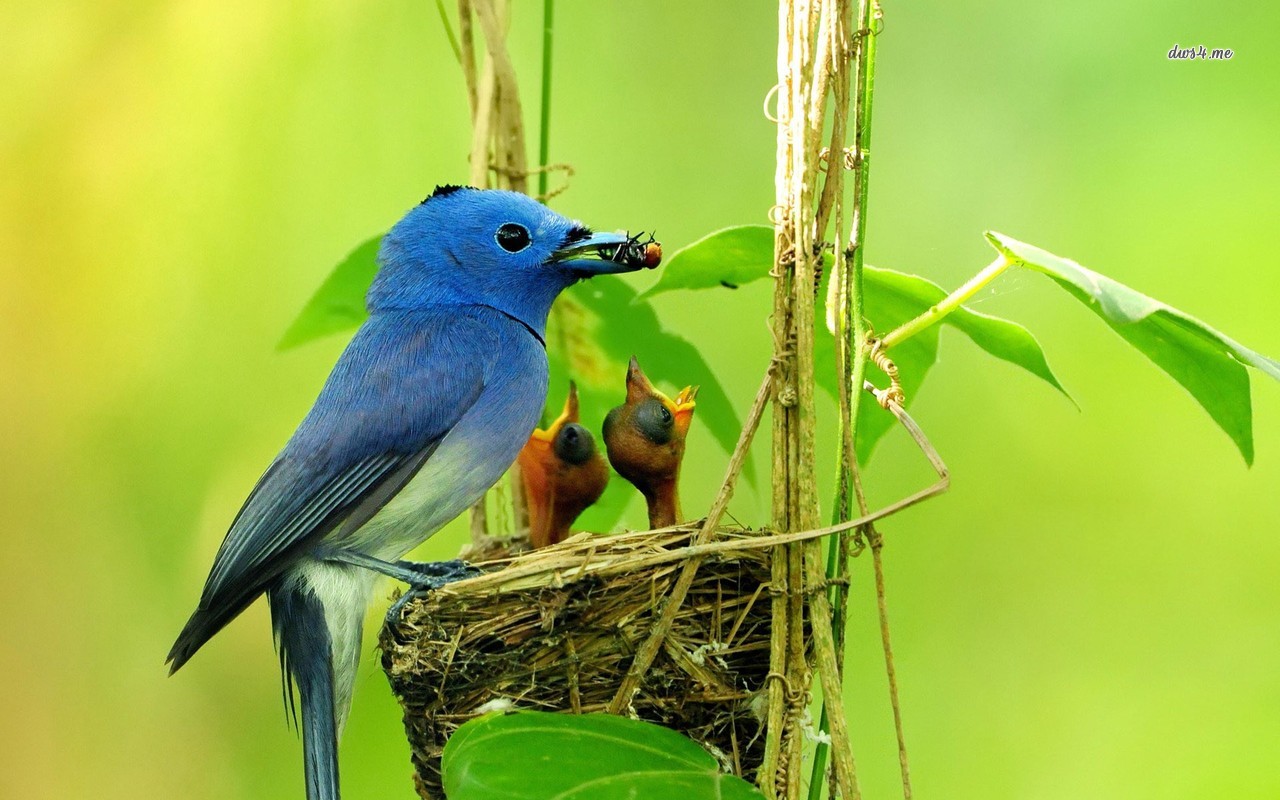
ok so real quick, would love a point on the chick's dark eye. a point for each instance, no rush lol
(574, 445)
(654, 421)
(512, 237)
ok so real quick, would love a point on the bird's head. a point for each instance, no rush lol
(645, 439)
(563, 474)
(465, 246)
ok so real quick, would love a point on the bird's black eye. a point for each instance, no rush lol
(512, 237)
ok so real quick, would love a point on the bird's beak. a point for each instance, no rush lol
(607, 254)
(570, 414)
(682, 408)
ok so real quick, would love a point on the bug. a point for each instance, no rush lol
(636, 251)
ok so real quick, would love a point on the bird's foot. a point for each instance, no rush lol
(427, 576)
(422, 576)
(438, 573)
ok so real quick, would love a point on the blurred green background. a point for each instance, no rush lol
(1092, 610)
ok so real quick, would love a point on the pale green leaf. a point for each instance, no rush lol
(534, 755)
(338, 305)
(730, 257)
(1205, 362)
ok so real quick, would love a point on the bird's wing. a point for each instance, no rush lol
(292, 509)
(399, 388)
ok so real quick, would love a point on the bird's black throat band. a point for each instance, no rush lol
(526, 325)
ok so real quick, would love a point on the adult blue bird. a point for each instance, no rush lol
(426, 408)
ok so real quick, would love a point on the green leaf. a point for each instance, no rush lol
(338, 304)
(729, 257)
(1007, 341)
(595, 328)
(534, 755)
(1207, 363)
(893, 298)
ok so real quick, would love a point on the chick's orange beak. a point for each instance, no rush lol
(638, 385)
(570, 414)
(682, 408)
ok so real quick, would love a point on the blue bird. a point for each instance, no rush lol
(426, 408)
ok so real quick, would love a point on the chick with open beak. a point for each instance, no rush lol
(645, 440)
(563, 474)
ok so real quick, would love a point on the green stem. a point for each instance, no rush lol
(868, 89)
(949, 304)
(544, 126)
(835, 556)
(448, 30)
(854, 330)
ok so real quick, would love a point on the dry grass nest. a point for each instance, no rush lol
(556, 629)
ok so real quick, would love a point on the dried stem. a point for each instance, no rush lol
(467, 53)
(891, 672)
(783, 397)
(508, 128)
(519, 502)
(840, 50)
(841, 294)
(479, 520)
(810, 59)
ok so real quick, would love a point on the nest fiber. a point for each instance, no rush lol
(556, 629)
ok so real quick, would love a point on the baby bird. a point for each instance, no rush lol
(645, 440)
(563, 474)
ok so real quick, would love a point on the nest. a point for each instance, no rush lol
(556, 629)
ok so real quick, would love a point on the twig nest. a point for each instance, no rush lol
(555, 629)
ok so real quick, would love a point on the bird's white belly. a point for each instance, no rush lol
(470, 459)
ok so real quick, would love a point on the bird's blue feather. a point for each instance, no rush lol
(402, 383)
(303, 640)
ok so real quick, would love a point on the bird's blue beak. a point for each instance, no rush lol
(607, 254)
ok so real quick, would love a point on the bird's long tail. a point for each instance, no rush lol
(306, 656)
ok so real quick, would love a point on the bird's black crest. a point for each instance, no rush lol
(445, 190)
(577, 234)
